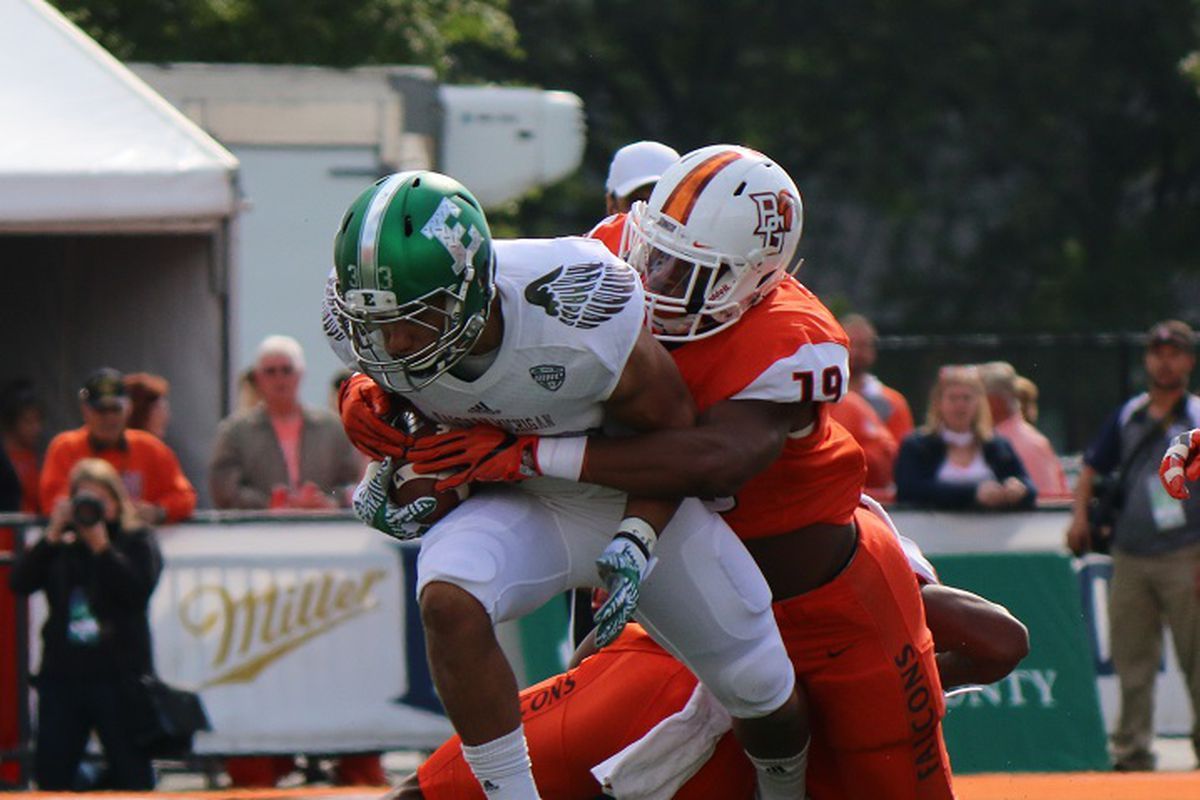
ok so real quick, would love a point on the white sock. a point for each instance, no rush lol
(781, 778)
(502, 767)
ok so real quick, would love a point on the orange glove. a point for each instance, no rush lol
(367, 410)
(1179, 464)
(478, 453)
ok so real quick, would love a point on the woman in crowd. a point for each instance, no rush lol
(98, 566)
(955, 461)
(149, 409)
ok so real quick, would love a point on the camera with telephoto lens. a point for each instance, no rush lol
(86, 510)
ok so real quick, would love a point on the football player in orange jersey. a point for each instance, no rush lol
(762, 357)
(611, 700)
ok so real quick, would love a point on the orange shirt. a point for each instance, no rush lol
(610, 230)
(879, 446)
(890, 405)
(149, 469)
(785, 349)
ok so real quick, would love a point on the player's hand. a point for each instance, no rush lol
(479, 453)
(1180, 465)
(367, 411)
(622, 566)
(372, 505)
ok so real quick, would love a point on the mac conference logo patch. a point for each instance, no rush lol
(548, 376)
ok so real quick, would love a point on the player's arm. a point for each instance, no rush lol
(730, 443)
(649, 395)
(977, 641)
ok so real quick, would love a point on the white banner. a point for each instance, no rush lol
(296, 636)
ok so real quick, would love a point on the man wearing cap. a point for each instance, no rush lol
(634, 170)
(1155, 540)
(149, 468)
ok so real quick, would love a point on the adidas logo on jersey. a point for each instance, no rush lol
(482, 408)
(488, 786)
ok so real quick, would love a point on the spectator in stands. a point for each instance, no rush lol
(149, 469)
(281, 454)
(1034, 450)
(22, 420)
(888, 403)
(1027, 396)
(955, 461)
(879, 446)
(98, 565)
(149, 409)
(1155, 541)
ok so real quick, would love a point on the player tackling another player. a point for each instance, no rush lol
(762, 357)
(546, 337)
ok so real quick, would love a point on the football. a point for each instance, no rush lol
(408, 486)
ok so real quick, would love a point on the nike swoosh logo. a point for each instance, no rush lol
(836, 653)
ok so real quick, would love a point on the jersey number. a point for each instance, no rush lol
(831, 384)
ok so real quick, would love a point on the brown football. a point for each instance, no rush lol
(408, 486)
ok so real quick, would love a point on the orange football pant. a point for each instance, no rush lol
(862, 654)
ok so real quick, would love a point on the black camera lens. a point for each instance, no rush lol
(87, 510)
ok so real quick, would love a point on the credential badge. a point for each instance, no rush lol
(549, 376)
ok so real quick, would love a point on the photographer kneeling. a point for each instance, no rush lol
(98, 565)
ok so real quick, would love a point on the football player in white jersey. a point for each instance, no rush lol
(545, 337)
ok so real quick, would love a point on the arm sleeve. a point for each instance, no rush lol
(175, 493)
(225, 474)
(916, 480)
(128, 572)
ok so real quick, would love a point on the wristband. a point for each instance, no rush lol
(640, 533)
(561, 457)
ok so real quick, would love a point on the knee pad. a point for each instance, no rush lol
(757, 682)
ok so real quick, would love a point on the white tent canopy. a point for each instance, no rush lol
(83, 140)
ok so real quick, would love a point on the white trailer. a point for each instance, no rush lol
(310, 138)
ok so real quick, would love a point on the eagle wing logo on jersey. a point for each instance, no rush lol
(776, 216)
(583, 295)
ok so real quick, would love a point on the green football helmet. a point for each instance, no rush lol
(415, 247)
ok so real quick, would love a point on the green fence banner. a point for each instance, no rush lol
(1045, 716)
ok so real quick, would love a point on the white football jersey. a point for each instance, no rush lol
(572, 313)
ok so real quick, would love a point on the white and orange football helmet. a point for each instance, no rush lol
(718, 233)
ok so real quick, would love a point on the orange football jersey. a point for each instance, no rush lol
(610, 230)
(787, 348)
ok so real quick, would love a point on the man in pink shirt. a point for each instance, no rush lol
(282, 454)
(1034, 450)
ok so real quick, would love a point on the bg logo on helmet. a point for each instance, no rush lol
(776, 216)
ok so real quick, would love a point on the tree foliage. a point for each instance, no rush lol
(326, 32)
(1031, 164)
(998, 166)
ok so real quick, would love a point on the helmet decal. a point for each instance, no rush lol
(452, 237)
(776, 215)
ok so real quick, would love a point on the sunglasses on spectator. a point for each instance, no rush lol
(281, 369)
